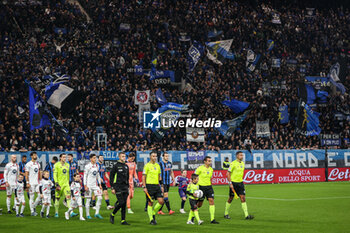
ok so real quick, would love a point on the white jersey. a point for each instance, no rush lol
(33, 169)
(10, 173)
(45, 186)
(91, 175)
(19, 188)
(75, 188)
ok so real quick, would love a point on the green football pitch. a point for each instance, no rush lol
(305, 207)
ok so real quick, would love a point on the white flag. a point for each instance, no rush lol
(143, 108)
(262, 128)
(142, 97)
(195, 134)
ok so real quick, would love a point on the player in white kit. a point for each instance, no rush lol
(92, 184)
(45, 194)
(10, 177)
(33, 177)
(75, 189)
(19, 194)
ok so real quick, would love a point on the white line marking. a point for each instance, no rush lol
(299, 199)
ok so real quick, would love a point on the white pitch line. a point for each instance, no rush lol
(300, 199)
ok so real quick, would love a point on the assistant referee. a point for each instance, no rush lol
(235, 178)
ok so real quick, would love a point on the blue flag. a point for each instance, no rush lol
(160, 97)
(154, 74)
(60, 30)
(173, 106)
(214, 33)
(308, 121)
(195, 52)
(218, 51)
(162, 46)
(37, 115)
(270, 45)
(283, 114)
(253, 60)
(235, 105)
(229, 126)
(322, 96)
(307, 93)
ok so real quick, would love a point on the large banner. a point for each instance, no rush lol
(262, 166)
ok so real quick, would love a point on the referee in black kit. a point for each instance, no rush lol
(119, 181)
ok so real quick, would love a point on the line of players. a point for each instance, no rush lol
(59, 178)
(156, 178)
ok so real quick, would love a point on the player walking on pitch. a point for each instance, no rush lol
(75, 188)
(235, 178)
(205, 173)
(33, 177)
(132, 174)
(92, 184)
(102, 171)
(61, 177)
(120, 187)
(10, 177)
(151, 179)
(45, 193)
(167, 174)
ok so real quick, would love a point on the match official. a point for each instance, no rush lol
(235, 178)
(119, 181)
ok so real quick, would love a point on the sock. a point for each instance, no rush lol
(47, 210)
(8, 203)
(87, 207)
(190, 216)
(83, 199)
(37, 200)
(80, 211)
(94, 202)
(183, 204)
(31, 202)
(245, 209)
(128, 202)
(17, 209)
(107, 202)
(212, 212)
(150, 212)
(57, 205)
(70, 210)
(167, 203)
(196, 214)
(22, 208)
(68, 203)
(43, 208)
(156, 208)
(98, 205)
(227, 208)
(146, 204)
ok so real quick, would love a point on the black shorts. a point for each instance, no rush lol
(193, 204)
(166, 187)
(154, 191)
(104, 186)
(208, 192)
(239, 189)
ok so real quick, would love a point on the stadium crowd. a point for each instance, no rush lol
(99, 54)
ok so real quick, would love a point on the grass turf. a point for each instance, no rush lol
(304, 207)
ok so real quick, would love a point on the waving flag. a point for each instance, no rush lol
(283, 115)
(235, 105)
(229, 126)
(307, 121)
(160, 97)
(253, 60)
(214, 33)
(218, 51)
(194, 54)
(270, 45)
(37, 114)
(307, 93)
